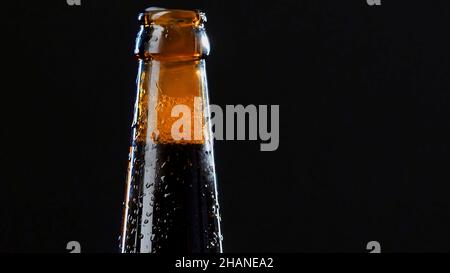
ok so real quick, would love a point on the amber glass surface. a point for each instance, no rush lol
(171, 200)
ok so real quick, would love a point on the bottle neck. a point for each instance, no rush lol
(175, 96)
(172, 46)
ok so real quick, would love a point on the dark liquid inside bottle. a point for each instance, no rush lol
(181, 213)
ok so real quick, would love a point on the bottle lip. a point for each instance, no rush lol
(162, 16)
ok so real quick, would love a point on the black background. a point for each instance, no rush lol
(364, 94)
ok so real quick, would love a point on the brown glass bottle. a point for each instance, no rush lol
(171, 203)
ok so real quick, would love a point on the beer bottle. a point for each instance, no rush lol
(171, 200)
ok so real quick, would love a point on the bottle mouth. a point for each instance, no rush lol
(162, 16)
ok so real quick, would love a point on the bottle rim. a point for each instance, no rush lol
(162, 16)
